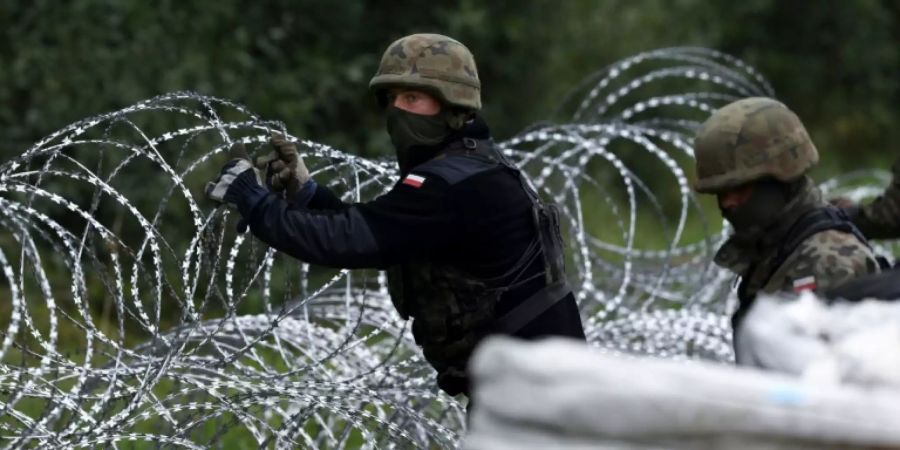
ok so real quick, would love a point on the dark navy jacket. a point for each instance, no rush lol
(450, 209)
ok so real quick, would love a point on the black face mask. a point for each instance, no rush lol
(413, 133)
(761, 210)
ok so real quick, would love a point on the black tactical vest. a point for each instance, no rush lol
(453, 310)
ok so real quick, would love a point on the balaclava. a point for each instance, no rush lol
(417, 138)
(763, 209)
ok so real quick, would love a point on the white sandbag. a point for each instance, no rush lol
(841, 343)
(562, 394)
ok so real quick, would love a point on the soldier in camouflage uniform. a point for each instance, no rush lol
(469, 247)
(754, 154)
(879, 219)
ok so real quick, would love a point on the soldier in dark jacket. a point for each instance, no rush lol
(469, 248)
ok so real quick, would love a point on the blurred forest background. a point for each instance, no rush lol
(308, 62)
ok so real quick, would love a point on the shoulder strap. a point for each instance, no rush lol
(485, 150)
(532, 307)
(813, 222)
(454, 164)
(745, 300)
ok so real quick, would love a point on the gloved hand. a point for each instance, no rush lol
(238, 185)
(284, 167)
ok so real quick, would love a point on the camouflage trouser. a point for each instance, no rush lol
(451, 313)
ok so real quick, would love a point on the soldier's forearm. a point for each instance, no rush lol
(340, 239)
(880, 219)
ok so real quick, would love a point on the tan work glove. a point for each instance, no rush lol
(284, 167)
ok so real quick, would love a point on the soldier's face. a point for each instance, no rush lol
(756, 205)
(416, 102)
(734, 198)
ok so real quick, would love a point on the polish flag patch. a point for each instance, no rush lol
(414, 180)
(805, 284)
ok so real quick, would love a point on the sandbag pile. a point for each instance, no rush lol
(563, 394)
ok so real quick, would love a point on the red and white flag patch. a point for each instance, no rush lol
(805, 284)
(414, 180)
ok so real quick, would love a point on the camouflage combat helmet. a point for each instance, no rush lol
(433, 62)
(750, 139)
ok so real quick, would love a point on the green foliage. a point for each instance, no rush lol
(308, 62)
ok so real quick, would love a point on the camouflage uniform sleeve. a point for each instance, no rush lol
(880, 219)
(825, 260)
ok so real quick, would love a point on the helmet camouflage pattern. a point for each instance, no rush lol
(433, 62)
(751, 139)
